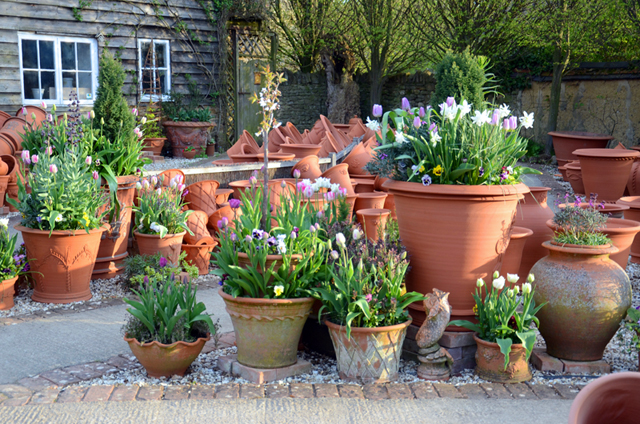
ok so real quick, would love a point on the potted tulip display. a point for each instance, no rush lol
(454, 177)
(11, 266)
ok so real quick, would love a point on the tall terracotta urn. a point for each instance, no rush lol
(532, 213)
(588, 295)
(565, 142)
(574, 177)
(454, 234)
(605, 172)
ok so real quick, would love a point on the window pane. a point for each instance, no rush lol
(147, 62)
(68, 52)
(147, 77)
(84, 56)
(160, 55)
(31, 85)
(84, 86)
(30, 54)
(68, 84)
(163, 82)
(46, 54)
(48, 84)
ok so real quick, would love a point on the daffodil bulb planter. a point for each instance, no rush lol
(267, 330)
(62, 262)
(454, 235)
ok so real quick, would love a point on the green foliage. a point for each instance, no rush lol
(460, 75)
(160, 209)
(632, 323)
(580, 223)
(137, 266)
(534, 148)
(110, 105)
(187, 108)
(10, 261)
(150, 124)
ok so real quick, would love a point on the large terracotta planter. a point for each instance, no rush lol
(454, 235)
(565, 142)
(370, 201)
(6, 293)
(371, 355)
(154, 145)
(61, 263)
(513, 255)
(490, 363)
(610, 399)
(605, 172)
(373, 222)
(161, 360)
(185, 134)
(533, 213)
(300, 151)
(633, 213)
(199, 254)
(267, 330)
(588, 296)
(115, 240)
(169, 246)
(339, 174)
(633, 184)
(202, 196)
(364, 186)
(309, 167)
(574, 177)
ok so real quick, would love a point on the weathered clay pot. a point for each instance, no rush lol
(185, 134)
(370, 355)
(605, 172)
(532, 213)
(513, 255)
(210, 150)
(633, 213)
(370, 201)
(222, 195)
(309, 167)
(566, 142)
(189, 154)
(267, 330)
(610, 399)
(300, 151)
(62, 263)
(373, 222)
(197, 223)
(339, 174)
(13, 129)
(490, 363)
(13, 167)
(6, 293)
(224, 211)
(154, 145)
(6, 145)
(364, 186)
(574, 177)
(161, 360)
(169, 246)
(199, 254)
(202, 196)
(633, 184)
(469, 232)
(357, 159)
(588, 296)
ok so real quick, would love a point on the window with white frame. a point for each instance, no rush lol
(155, 70)
(51, 67)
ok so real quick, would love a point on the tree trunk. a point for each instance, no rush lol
(343, 93)
(554, 98)
(265, 190)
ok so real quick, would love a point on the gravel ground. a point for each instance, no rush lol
(180, 163)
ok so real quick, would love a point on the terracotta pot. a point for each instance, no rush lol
(6, 293)
(197, 223)
(4, 186)
(610, 399)
(6, 145)
(370, 355)
(339, 174)
(351, 201)
(513, 255)
(12, 193)
(566, 142)
(470, 231)
(222, 195)
(309, 167)
(188, 154)
(379, 182)
(115, 240)
(185, 134)
(490, 363)
(244, 158)
(168, 175)
(612, 210)
(40, 113)
(267, 330)
(239, 187)
(12, 162)
(563, 172)
(4, 168)
(357, 159)
(161, 360)
(3, 118)
(633, 184)
(62, 263)
(533, 212)
(245, 262)
(605, 172)
(574, 177)
(13, 129)
(154, 145)
(169, 246)
(373, 221)
(633, 213)
(199, 254)
(202, 196)
(276, 157)
(370, 201)
(588, 296)
(211, 150)
(224, 211)
(364, 177)
(300, 151)
(364, 186)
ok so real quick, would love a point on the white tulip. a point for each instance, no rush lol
(357, 234)
(496, 274)
(479, 282)
(531, 278)
(526, 288)
(341, 240)
(498, 283)
(512, 278)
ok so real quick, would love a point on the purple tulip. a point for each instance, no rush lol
(433, 127)
(146, 279)
(162, 262)
(296, 173)
(416, 122)
(514, 122)
(495, 118)
(377, 110)
(450, 101)
(421, 112)
(234, 203)
(405, 104)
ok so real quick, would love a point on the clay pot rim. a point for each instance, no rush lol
(622, 228)
(632, 201)
(297, 146)
(277, 156)
(409, 188)
(517, 346)
(373, 211)
(363, 181)
(313, 159)
(520, 232)
(167, 346)
(605, 154)
(263, 301)
(214, 244)
(580, 135)
(137, 233)
(205, 181)
(373, 194)
(604, 249)
(574, 166)
(365, 330)
(23, 229)
(154, 138)
(608, 207)
(189, 124)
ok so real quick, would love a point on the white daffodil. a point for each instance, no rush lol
(464, 108)
(526, 288)
(4, 222)
(498, 283)
(400, 138)
(278, 290)
(512, 278)
(449, 112)
(481, 118)
(434, 138)
(335, 188)
(504, 111)
(373, 125)
(527, 119)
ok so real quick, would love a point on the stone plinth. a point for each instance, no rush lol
(460, 346)
(231, 365)
(542, 361)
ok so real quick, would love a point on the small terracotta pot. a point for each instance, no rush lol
(267, 330)
(210, 150)
(185, 134)
(370, 201)
(370, 355)
(224, 211)
(161, 360)
(633, 213)
(390, 203)
(574, 177)
(199, 254)
(357, 159)
(12, 193)
(300, 151)
(513, 254)
(222, 195)
(154, 145)
(605, 172)
(202, 196)
(276, 157)
(566, 142)
(364, 186)
(12, 162)
(188, 154)
(6, 293)
(197, 223)
(309, 167)
(490, 363)
(339, 174)
(563, 172)
(533, 212)
(610, 399)
(373, 221)
(169, 246)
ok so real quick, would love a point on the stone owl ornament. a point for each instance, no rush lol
(435, 361)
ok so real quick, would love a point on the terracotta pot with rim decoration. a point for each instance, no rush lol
(588, 295)
(490, 363)
(197, 223)
(371, 355)
(202, 196)
(199, 254)
(168, 246)
(574, 177)
(185, 134)
(566, 142)
(357, 159)
(633, 213)
(6, 293)
(469, 232)
(300, 151)
(605, 172)
(161, 360)
(339, 174)
(61, 263)
(267, 330)
(612, 210)
(154, 145)
(309, 167)
(373, 222)
(513, 254)
(375, 200)
(533, 212)
(610, 399)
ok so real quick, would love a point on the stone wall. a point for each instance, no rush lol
(304, 99)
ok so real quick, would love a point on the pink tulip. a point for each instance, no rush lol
(53, 169)
(95, 175)
(34, 159)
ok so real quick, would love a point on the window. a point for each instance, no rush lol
(154, 73)
(50, 67)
